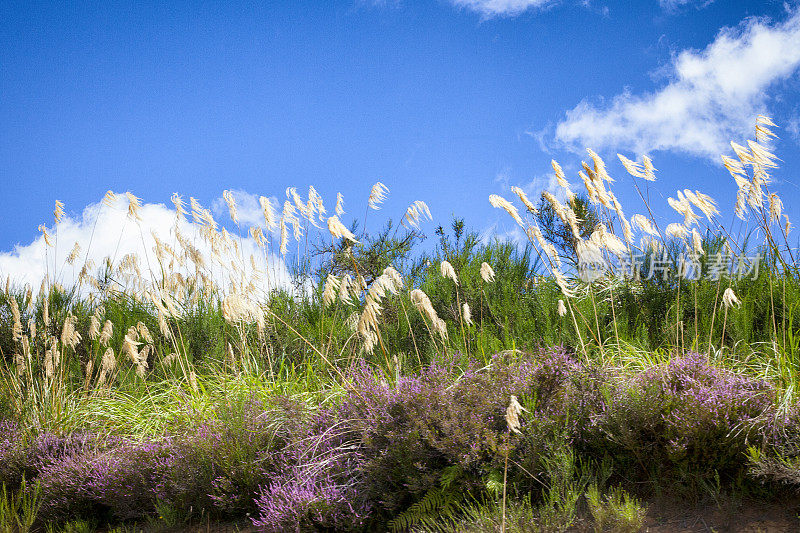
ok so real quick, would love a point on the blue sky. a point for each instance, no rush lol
(446, 101)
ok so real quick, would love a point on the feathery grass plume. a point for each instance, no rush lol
(69, 335)
(45, 307)
(534, 233)
(589, 252)
(513, 411)
(560, 177)
(109, 199)
(742, 153)
(755, 192)
(163, 326)
(524, 197)
(590, 189)
(599, 188)
(787, 226)
(344, 289)
(109, 362)
(465, 311)
(49, 364)
(43, 229)
(561, 309)
(775, 208)
(573, 221)
(487, 274)
(26, 346)
(239, 308)
(423, 304)
(169, 359)
(296, 202)
(144, 333)
(94, 327)
(339, 230)
(290, 216)
(762, 156)
(58, 212)
(377, 195)
(268, 212)
(448, 271)
(19, 365)
(644, 224)
(16, 319)
(677, 231)
(284, 237)
(339, 210)
(498, 201)
(650, 244)
(315, 201)
(632, 167)
(697, 242)
(73, 254)
(616, 205)
(395, 278)
(228, 197)
(332, 284)
(258, 236)
(599, 166)
(134, 205)
(609, 241)
(683, 206)
(441, 328)
(614, 244)
(563, 283)
(312, 208)
(703, 202)
(736, 170)
(352, 322)
(627, 232)
(763, 133)
(32, 327)
(741, 204)
(180, 206)
(556, 205)
(729, 298)
(416, 213)
(649, 169)
(368, 321)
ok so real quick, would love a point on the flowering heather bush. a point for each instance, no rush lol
(214, 467)
(686, 419)
(22, 455)
(428, 441)
(777, 459)
(314, 482)
(308, 497)
(358, 464)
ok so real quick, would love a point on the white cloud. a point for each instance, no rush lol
(248, 209)
(793, 127)
(493, 233)
(494, 8)
(713, 96)
(673, 5)
(103, 231)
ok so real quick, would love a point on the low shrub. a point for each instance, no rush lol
(687, 421)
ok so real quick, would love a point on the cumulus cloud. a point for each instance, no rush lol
(248, 209)
(713, 95)
(107, 231)
(499, 8)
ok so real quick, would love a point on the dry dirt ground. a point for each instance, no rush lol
(745, 517)
(663, 516)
